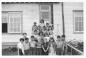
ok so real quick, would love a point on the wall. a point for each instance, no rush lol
(57, 15)
(30, 14)
(68, 16)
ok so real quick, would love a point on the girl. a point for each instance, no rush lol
(52, 47)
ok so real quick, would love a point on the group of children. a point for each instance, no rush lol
(46, 29)
(42, 43)
(42, 47)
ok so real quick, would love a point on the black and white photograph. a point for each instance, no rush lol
(42, 28)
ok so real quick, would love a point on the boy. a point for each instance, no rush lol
(33, 45)
(20, 47)
(24, 35)
(45, 47)
(26, 46)
(59, 46)
(40, 42)
(64, 44)
(34, 27)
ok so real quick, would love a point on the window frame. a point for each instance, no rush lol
(45, 11)
(74, 31)
(21, 31)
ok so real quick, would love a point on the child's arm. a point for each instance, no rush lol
(18, 48)
(23, 51)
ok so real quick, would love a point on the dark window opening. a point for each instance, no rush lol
(4, 27)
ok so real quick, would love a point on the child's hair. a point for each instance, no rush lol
(26, 39)
(24, 34)
(51, 38)
(40, 33)
(41, 21)
(58, 36)
(63, 36)
(21, 39)
(35, 23)
(35, 30)
(32, 36)
(47, 23)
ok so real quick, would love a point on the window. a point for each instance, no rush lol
(4, 22)
(45, 12)
(11, 22)
(78, 21)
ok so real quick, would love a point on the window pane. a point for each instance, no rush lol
(4, 17)
(14, 22)
(78, 18)
(45, 15)
(44, 7)
(4, 27)
(45, 12)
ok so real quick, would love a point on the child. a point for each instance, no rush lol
(41, 22)
(47, 26)
(24, 35)
(59, 45)
(39, 44)
(26, 46)
(34, 27)
(41, 25)
(33, 45)
(35, 32)
(52, 47)
(20, 47)
(64, 44)
(45, 47)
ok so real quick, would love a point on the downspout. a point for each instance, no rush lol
(63, 18)
(52, 14)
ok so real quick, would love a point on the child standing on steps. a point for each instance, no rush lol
(45, 47)
(59, 45)
(20, 47)
(52, 47)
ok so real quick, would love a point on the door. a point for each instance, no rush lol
(45, 13)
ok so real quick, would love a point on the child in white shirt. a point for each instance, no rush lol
(33, 45)
(20, 47)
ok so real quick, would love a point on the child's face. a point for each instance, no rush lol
(36, 32)
(58, 38)
(47, 24)
(62, 37)
(26, 41)
(32, 38)
(41, 34)
(51, 40)
(45, 40)
(21, 41)
(41, 21)
(25, 35)
(34, 23)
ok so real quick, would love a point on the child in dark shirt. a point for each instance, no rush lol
(45, 47)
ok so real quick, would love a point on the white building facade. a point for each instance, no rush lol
(19, 17)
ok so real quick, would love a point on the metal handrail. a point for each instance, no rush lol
(80, 52)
